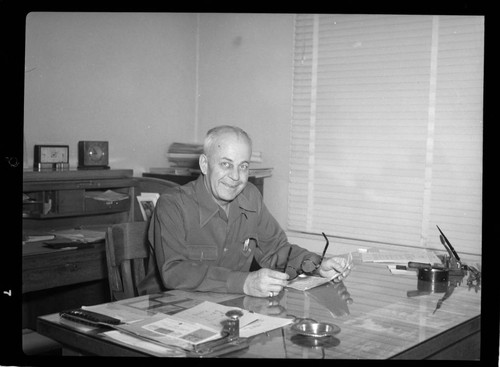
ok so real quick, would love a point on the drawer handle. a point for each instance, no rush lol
(71, 267)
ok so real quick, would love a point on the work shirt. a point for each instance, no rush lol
(198, 247)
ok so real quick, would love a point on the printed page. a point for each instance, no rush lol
(189, 323)
(170, 330)
(303, 283)
(251, 323)
(213, 314)
(422, 256)
(263, 324)
(145, 345)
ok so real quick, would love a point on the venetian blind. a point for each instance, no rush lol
(386, 137)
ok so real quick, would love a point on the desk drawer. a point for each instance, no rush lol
(67, 267)
(93, 206)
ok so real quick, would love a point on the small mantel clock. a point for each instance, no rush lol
(93, 155)
(51, 157)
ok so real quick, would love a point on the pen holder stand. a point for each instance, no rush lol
(454, 267)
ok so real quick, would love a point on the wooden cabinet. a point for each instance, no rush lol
(55, 199)
(53, 280)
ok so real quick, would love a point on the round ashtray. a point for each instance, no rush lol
(312, 342)
(315, 329)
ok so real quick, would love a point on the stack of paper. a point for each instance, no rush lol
(187, 155)
(81, 235)
(184, 154)
(393, 259)
(37, 237)
(156, 319)
(108, 195)
(423, 256)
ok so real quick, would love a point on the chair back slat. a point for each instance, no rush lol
(127, 250)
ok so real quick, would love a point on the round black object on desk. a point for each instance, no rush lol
(433, 274)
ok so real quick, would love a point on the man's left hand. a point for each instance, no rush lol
(336, 268)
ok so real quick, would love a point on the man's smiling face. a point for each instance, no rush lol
(226, 167)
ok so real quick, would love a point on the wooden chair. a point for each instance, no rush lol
(149, 184)
(127, 254)
(127, 245)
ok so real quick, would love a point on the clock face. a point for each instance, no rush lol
(53, 154)
(93, 154)
(96, 153)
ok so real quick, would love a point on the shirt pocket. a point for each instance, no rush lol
(249, 244)
(202, 252)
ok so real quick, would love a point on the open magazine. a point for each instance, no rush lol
(176, 320)
(171, 330)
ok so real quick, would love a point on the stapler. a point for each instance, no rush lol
(230, 340)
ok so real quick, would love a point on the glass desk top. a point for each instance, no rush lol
(380, 315)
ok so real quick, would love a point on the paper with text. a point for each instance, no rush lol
(170, 330)
(423, 256)
(303, 283)
(212, 315)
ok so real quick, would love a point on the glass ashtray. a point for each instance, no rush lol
(315, 329)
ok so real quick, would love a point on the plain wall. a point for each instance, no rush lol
(245, 79)
(144, 80)
(122, 77)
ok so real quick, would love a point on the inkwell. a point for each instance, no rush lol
(444, 277)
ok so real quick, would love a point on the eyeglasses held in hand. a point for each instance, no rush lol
(308, 266)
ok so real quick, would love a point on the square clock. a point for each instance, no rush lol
(93, 154)
(51, 157)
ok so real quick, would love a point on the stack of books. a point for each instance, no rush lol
(186, 155)
(256, 157)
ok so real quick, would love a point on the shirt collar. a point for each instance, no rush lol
(208, 207)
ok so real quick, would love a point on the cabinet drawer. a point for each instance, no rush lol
(69, 201)
(78, 266)
(100, 206)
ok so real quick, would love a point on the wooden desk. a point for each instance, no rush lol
(59, 279)
(55, 280)
(45, 268)
(381, 322)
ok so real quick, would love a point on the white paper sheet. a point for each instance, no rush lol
(144, 345)
(303, 283)
(422, 256)
(212, 315)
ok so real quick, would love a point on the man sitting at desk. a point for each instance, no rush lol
(207, 232)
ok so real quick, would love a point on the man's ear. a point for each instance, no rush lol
(203, 161)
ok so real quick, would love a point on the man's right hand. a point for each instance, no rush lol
(265, 283)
